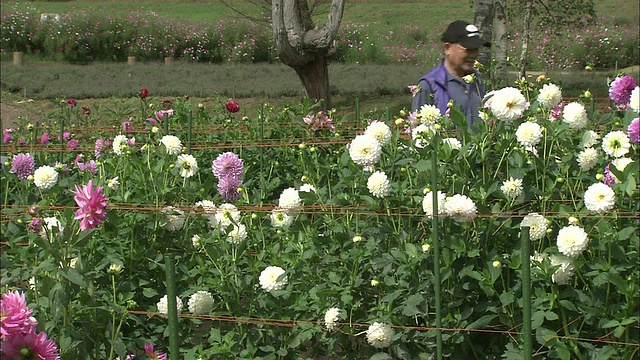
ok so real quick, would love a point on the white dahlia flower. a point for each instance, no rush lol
(508, 104)
(460, 207)
(45, 177)
(572, 240)
(380, 335)
(378, 184)
(273, 278)
(380, 131)
(365, 150)
(549, 96)
(599, 198)
(575, 115)
(200, 302)
(537, 225)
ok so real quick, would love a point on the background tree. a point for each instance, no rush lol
(304, 46)
(300, 43)
(484, 19)
(499, 75)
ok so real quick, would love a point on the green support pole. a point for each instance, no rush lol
(387, 114)
(436, 249)
(190, 126)
(165, 122)
(526, 294)
(61, 140)
(172, 304)
(357, 109)
(261, 120)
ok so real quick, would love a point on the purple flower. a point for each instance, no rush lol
(99, 146)
(228, 165)
(78, 159)
(620, 90)
(65, 136)
(92, 203)
(23, 165)
(72, 144)
(86, 111)
(62, 168)
(228, 188)
(127, 126)
(608, 179)
(91, 166)
(72, 102)
(33, 210)
(144, 93)
(556, 112)
(153, 354)
(152, 121)
(634, 130)
(7, 138)
(22, 142)
(35, 225)
(44, 140)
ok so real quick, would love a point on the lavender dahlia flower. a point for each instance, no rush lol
(634, 131)
(228, 188)
(228, 165)
(23, 165)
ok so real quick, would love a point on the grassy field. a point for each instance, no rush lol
(377, 86)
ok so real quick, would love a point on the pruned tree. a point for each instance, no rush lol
(483, 19)
(500, 42)
(304, 46)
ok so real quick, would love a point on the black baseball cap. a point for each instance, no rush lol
(465, 34)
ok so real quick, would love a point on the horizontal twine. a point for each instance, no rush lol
(295, 324)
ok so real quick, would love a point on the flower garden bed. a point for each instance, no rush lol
(295, 234)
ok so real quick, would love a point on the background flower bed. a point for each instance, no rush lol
(97, 291)
(93, 34)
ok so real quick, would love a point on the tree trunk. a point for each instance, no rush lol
(525, 39)
(484, 21)
(500, 43)
(305, 47)
(314, 76)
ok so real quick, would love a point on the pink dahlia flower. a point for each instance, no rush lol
(92, 203)
(30, 346)
(15, 316)
(620, 90)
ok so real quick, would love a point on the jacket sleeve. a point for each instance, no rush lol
(425, 96)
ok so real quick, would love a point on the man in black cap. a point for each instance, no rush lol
(455, 78)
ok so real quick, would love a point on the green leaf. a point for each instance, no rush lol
(625, 233)
(610, 324)
(149, 292)
(507, 298)
(73, 275)
(482, 322)
(550, 315)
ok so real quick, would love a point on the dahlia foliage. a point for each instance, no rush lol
(312, 234)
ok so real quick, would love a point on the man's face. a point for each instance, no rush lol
(458, 59)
